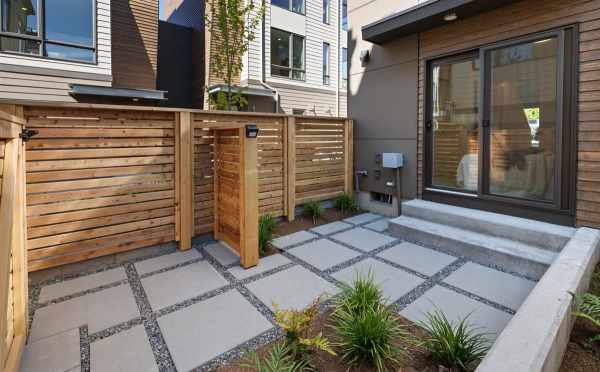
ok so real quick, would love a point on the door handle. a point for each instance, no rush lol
(428, 125)
(485, 123)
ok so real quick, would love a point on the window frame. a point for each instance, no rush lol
(344, 19)
(291, 67)
(42, 40)
(290, 7)
(326, 12)
(562, 209)
(326, 66)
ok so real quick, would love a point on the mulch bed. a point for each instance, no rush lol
(416, 360)
(581, 356)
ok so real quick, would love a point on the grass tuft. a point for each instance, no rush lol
(314, 210)
(453, 345)
(345, 203)
(266, 225)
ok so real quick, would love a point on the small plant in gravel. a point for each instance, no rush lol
(587, 306)
(345, 203)
(279, 359)
(365, 327)
(458, 346)
(266, 225)
(296, 325)
(314, 210)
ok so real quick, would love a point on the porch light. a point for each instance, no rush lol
(251, 131)
(450, 17)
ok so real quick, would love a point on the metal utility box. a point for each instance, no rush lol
(392, 160)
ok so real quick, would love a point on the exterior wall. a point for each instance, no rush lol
(530, 16)
(135, 43)
(190, 13)
(382, 101)
(34, 78)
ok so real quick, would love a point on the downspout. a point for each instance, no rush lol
(263, 80)
(337, 53)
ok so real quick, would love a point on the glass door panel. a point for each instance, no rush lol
(523, 113)
(455, 124)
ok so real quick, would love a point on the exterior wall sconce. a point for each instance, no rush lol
(251, 131)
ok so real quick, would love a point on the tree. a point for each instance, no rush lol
(233, 23)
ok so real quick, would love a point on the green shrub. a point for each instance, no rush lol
(296, 325)
(361, 294)
(345, 203)
(453, 345)
(364, 326)
(266, 225)
(314, 210)
(279, 359)
(588, 307)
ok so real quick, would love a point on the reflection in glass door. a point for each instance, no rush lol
(523, 115)
(454, 124)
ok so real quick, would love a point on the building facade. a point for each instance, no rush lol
(494, 105)
(105, 53)
(296, 62)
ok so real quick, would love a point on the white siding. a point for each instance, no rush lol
(104, 50)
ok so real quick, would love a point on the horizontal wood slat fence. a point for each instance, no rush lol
(13, 252)
(105, 179)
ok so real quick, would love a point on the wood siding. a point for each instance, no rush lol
(526, 17)
(134, 43)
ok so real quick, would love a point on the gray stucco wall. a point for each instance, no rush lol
(382, 99)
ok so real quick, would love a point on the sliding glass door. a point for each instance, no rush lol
(455, 123)
(499, 124)
(523, 119)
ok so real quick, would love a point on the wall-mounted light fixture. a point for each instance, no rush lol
(251, 131)
(449, 17)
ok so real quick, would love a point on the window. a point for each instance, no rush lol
(345, 15)
(287, 55)
(326, 11)
(298, 112)
(325, 64)
(296, 6)
(67, 32)
(344, 68)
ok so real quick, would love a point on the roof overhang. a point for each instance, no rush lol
(134, 94)
(425, 16)
(250, 90)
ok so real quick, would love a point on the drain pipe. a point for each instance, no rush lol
(263, 80)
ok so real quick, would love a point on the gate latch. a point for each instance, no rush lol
(26, 134)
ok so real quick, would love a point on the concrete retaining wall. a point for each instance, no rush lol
(536, 337)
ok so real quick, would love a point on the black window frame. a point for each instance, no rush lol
(42, 40)
(562, 209)
(291, 67)
(290, 7)
(326, 67)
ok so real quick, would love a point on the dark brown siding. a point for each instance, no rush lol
(523, 18)
(134, 43)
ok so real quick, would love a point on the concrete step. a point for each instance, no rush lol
(511, 255)
(539, 234)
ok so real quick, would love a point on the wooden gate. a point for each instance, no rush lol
(13, 254)
(236, 192)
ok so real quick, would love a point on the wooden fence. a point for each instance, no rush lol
(13, 253)
(106, 179)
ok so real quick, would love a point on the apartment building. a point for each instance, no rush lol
(98, 51)
(296, 63)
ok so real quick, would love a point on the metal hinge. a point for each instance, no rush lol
(26, 134)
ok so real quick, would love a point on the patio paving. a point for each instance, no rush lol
(199, 308)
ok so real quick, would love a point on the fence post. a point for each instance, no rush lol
(248, 200)
(291, 168)
(349, 157)
(186, 201)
